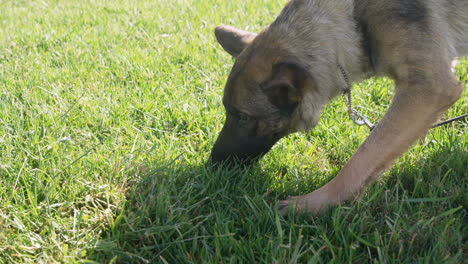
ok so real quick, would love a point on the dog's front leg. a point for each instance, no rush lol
(411, 114)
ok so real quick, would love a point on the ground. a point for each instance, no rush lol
(108, 112)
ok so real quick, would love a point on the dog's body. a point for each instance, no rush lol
(285, 75)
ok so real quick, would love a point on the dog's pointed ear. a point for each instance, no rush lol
(285, 86)
(233, 40)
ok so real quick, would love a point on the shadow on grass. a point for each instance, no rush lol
(185, 209)
(192, 214)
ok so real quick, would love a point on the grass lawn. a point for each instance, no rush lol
(109, 110)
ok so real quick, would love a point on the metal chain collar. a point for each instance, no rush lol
(355, 116)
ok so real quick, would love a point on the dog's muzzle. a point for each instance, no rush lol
(236, 147)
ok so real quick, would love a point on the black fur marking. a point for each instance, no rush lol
(410, 11)
(367, 45)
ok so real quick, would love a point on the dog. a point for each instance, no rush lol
(283, 76)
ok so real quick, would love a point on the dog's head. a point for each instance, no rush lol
(265, 97)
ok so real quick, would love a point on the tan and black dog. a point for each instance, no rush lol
(284, 76)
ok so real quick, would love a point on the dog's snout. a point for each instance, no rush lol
(233, 151)
(217, 158)
(239, 144)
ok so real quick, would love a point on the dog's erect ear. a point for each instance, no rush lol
(233, 40)
(284, 87)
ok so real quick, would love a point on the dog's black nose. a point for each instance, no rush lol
(237, 146)
(215, 162)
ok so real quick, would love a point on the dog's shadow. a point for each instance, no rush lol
(174, 211)
(172, 204)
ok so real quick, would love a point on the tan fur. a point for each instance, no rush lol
(284, 76)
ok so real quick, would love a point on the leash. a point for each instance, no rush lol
(450, 120)
(361, 120)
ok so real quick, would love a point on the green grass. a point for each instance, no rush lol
(109, 109)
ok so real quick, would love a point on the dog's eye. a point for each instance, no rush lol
(244, 117)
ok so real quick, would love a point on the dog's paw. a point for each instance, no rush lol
(283, 206)
(313, 203)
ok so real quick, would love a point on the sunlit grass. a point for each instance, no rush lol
(108, 112)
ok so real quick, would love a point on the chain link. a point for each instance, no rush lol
(355, 116)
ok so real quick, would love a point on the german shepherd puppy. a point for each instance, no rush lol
(283, 77)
